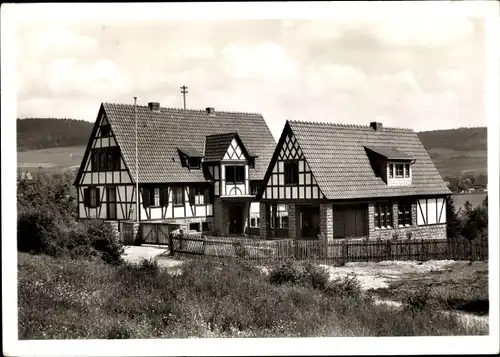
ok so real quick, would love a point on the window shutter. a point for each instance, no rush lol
(211, 194)
(164, 197)
(86, 197)
(191, 195)
(146, 197)
(97, 197)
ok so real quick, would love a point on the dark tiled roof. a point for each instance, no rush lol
(337, 157)
(161, 132)
(190, 151)
(216, 146)
(389, 153)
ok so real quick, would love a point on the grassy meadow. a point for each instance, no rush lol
(52, 159)
(461, 286)
(62, 298)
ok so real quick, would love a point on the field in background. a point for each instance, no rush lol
(53, 159)
(454, 163)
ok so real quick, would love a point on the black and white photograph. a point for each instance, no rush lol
(250, 178)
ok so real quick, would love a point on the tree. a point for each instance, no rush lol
(475, 221)
(452, 218)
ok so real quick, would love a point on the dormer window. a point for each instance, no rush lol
(399, 170)
(194, 163)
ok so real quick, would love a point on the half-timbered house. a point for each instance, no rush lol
(197, 169)
(330, 181)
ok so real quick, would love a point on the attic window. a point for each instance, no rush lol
(399, 170)
(194, 163)
(105, 130)
(291, 172)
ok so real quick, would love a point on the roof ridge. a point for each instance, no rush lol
(183, 110)
(348, 125)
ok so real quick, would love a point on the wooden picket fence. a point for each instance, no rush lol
(261, 251)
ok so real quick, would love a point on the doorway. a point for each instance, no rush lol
(235, 219)
(309, 226)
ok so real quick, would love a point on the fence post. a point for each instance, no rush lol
(171, 243)
(389, 249)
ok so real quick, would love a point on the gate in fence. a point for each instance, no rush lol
(157, 233)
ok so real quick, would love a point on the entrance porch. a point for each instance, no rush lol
(236, 216)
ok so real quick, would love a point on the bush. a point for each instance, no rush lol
(41, 231)
(418, 300)
(344, 287)
(32, 224)
(286, 272)
(307, 275)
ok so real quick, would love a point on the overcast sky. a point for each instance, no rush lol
(422, 73)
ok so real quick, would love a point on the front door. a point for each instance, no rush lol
(235, 219)
(309, 222)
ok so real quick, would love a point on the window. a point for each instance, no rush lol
(254, 189)
(194, 163)
(105, 159)
(399, 170)
(105, 130)
(164, 197)
(177, 196)
(235, 174)
(404, 213)
(91, 197)
(206, 226)
(284, 222)
(151, 197)
(391, 170)
(291, 172)
(194, 227)
(253, 222)
(407, 170)
(383, 215)
(199, 195)
(111, 202)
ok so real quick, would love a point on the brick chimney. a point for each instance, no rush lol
(210, 111)
(154, 106)
(376, 126)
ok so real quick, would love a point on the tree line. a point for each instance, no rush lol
(37, 133)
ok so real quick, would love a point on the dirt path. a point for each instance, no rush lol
(379, 275)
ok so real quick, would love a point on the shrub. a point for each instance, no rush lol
(315, 276)
(286, 272)
(344, 287)
(418, 300)
(32, 224)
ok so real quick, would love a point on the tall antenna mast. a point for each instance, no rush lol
(136, 166)
(184, 92)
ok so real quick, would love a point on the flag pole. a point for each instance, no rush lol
(136, 166)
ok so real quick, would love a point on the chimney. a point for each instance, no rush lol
(154, 106)
(376, 126)
(210, 111)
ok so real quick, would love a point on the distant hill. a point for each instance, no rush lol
(457, 151)
(43, 133)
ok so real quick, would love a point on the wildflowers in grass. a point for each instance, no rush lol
(67, 298)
